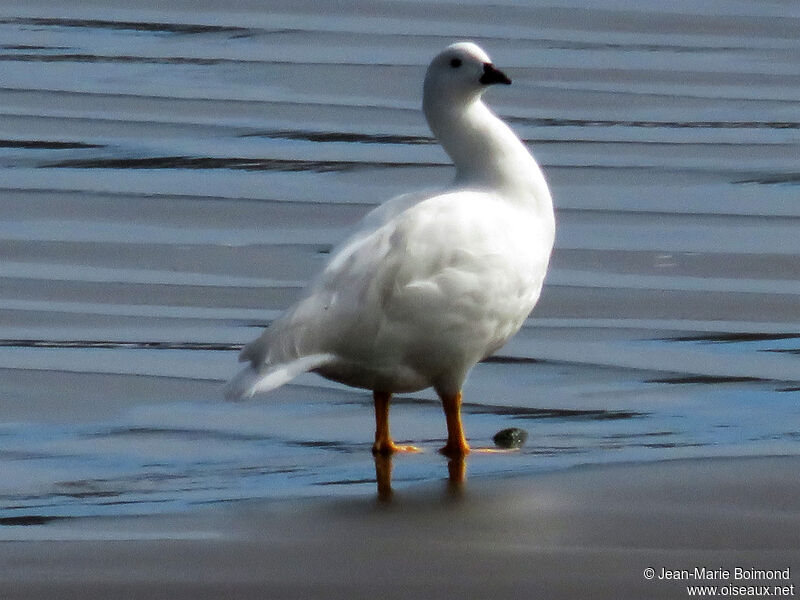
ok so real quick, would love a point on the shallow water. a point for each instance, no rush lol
(170, 179)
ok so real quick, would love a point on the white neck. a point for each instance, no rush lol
(486, 153)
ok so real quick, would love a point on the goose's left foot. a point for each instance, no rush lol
(385, 447)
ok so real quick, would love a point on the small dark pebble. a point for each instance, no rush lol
(513, 437)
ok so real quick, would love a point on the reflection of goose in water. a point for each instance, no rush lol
(431, 283)
(456, 475)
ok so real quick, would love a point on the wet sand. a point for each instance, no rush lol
(586, 532)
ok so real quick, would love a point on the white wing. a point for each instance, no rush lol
(427, 284)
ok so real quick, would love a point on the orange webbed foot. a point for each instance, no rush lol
(496, 450)
(388, 447)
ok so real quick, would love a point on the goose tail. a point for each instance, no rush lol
(252, 380)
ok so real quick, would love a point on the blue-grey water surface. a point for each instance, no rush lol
(171, 176)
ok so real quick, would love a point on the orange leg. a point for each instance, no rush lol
(383, 439)
(456, 442)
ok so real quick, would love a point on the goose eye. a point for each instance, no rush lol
(455, 63)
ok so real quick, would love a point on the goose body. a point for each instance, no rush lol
(430, 283)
